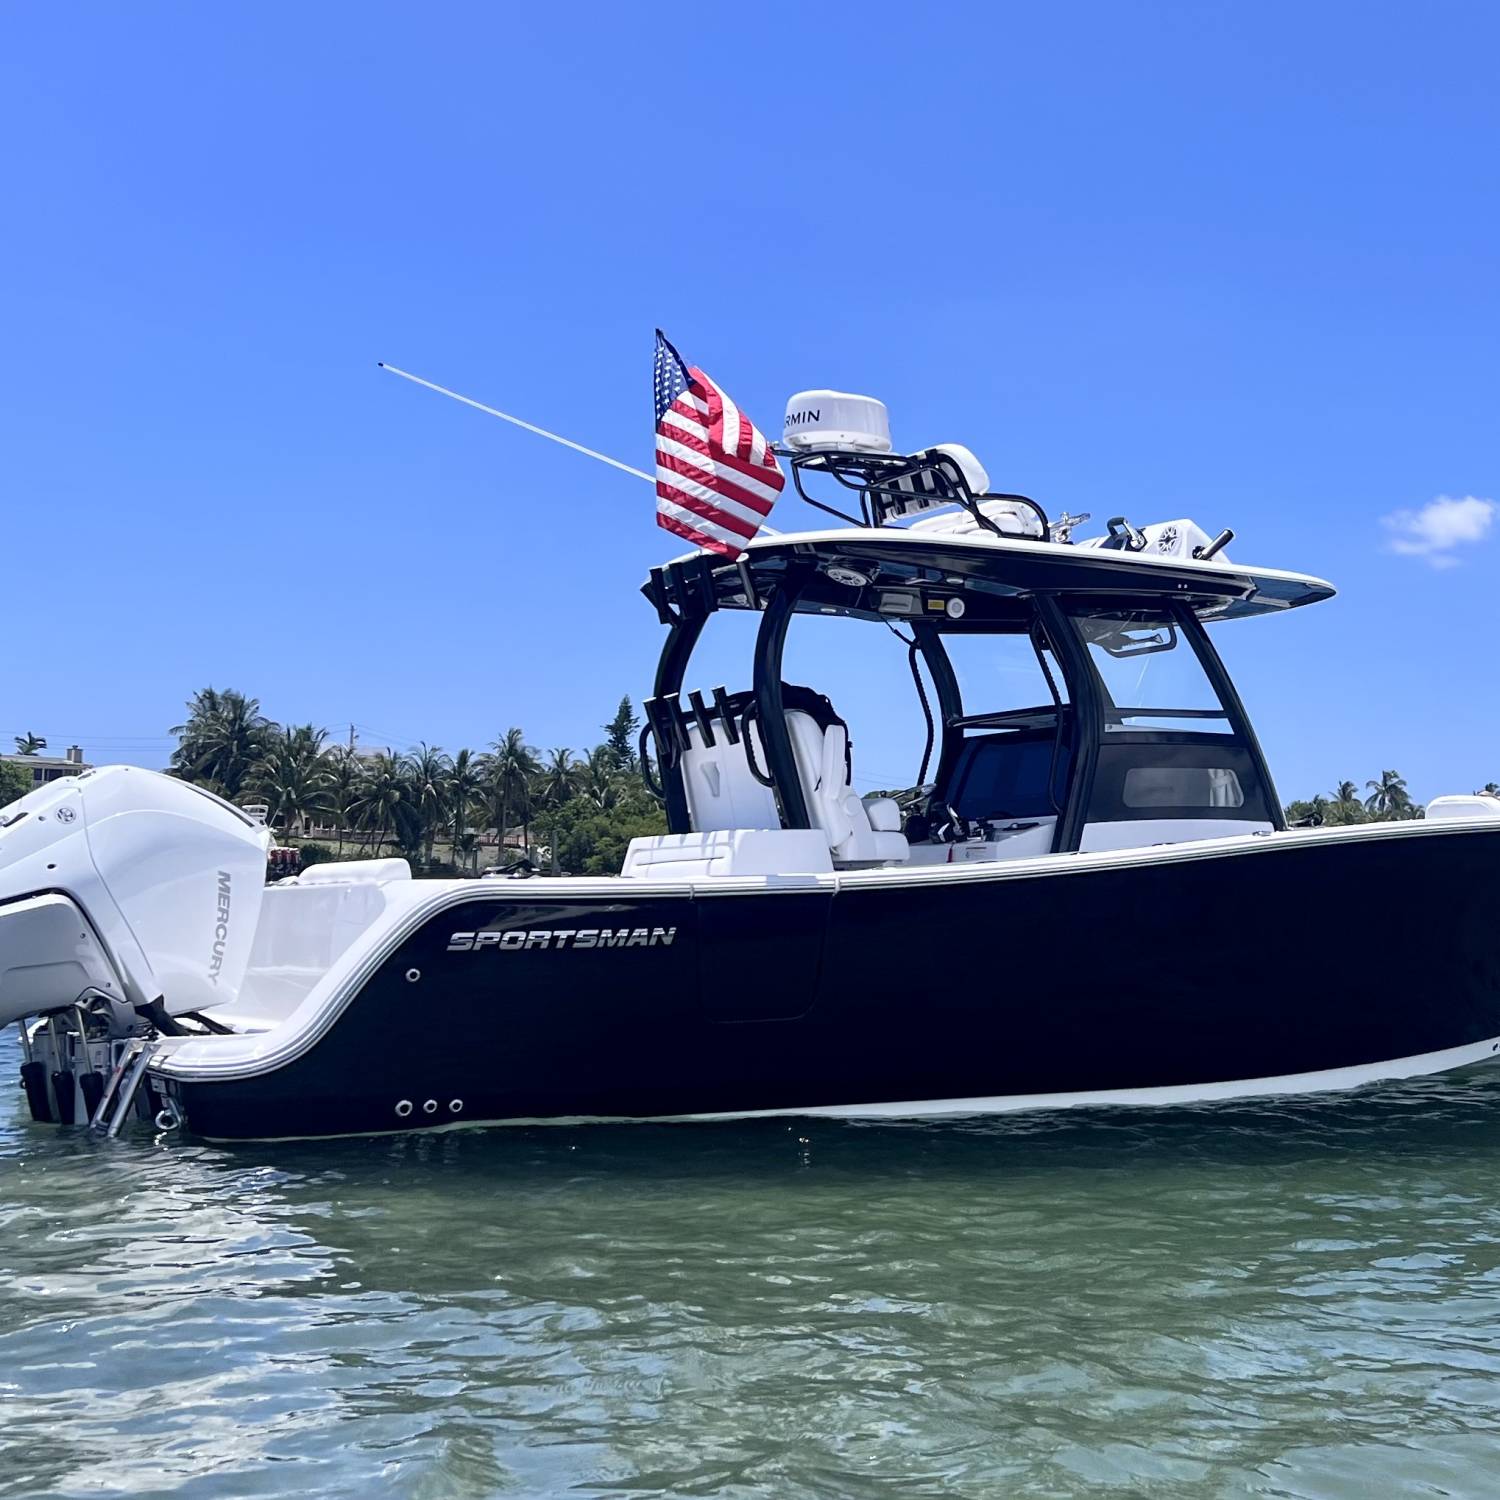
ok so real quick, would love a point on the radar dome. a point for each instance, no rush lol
(825, 420)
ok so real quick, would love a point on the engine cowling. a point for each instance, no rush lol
(168, 877)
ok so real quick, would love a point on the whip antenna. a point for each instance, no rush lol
(504, 416)
(443, 390)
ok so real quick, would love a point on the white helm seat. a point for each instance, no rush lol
(858, 832)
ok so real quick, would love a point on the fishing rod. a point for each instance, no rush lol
(505, 416)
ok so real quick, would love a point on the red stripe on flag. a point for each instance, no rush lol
(715, 417)
(705, 508)
(704, 390)
(716, 481)
(768, 473)
(718, 406)
(697, 538)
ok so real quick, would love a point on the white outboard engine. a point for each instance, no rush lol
(130, 886)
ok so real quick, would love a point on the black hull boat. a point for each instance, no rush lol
(875, 998)
(1088, 896)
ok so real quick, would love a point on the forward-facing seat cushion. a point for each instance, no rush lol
(822, 757)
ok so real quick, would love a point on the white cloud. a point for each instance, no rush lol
(1439, 528)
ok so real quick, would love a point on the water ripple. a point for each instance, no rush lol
(1286, 1300)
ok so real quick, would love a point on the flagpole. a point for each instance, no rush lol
(603, 458)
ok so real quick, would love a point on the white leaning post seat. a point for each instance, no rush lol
(858, 833)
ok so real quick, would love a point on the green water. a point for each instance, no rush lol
(1292, 1299)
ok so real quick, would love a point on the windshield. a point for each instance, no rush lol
(1151, 672)
(1003, 674)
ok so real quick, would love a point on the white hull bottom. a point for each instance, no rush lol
(1328, 1081)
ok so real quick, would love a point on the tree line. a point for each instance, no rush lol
(565, 811)
(1385, 800)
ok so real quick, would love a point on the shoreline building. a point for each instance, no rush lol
(45, 768)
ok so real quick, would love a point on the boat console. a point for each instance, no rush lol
(1141, 738)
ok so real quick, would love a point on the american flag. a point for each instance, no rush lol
(716, 477)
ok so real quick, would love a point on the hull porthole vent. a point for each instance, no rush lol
(430, 1108)
(455, 1106)
(413, 975)
(403, 1108)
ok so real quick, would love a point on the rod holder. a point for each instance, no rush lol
(1219, 543)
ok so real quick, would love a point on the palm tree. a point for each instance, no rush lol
(293, 776)
(1388, 797)
(525, 809)
(558, 779)
(552, 788)
(1345, 802)
(346, 774)
(427, 768)
(465, 781)
(599, 780)
(382, 797)
(223, 738)
(204, 708)
(511, 766)
(29, 743)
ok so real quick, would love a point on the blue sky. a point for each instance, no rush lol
(1240, 263)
